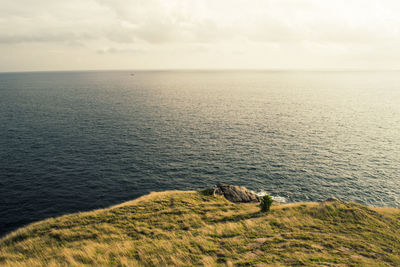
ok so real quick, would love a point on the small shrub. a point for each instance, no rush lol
(266, 202)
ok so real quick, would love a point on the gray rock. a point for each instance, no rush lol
(235, 193)
(331, 199)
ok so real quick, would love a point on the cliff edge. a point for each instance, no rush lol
(193, 228)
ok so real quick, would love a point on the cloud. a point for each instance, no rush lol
(113, 50)
(157, 27)
(67, 37)
(157, 21)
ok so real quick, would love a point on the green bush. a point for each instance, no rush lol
(266, 202)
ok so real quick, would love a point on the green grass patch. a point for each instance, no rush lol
(195, 228)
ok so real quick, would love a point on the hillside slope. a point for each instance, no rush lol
(188, 228)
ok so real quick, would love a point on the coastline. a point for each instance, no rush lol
(188, 227)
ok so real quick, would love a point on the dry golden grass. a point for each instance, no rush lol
(188, 228)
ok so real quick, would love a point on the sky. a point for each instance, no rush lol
(56, 35)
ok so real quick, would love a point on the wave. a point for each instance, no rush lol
(279, 199)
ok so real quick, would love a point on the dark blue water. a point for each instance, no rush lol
(76, 141)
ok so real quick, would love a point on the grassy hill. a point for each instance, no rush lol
(188, 228)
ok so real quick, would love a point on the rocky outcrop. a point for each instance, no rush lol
(235, 193)
(331, 199)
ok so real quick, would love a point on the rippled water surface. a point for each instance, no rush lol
(75, 141)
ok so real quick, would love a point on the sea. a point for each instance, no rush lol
(78, 141)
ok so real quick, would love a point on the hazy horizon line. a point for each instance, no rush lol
(211, 70)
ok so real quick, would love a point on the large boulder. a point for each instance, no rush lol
(235, 193)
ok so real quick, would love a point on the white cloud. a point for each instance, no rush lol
(283, 33)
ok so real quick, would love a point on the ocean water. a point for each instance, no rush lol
(77, 141)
